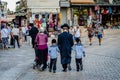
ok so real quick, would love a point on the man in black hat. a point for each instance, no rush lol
(65, 43)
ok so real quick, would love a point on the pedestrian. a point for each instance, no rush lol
(100, 34)
(65, 43)
(72, 30)
(42, 48)
(53, 53)
(21, 35)
(79, 53)
(11, 38)
(90, 33)
(77, 33)
(24, 30)
(4, 36)
(15, 35)
(33, 32)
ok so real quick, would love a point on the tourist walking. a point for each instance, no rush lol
(65, 43)
(100, 34)
(4, 36)
(77, 33)
(15, 35)
(90, 34)
(21, 35)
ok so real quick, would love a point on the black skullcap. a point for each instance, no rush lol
(65, 25)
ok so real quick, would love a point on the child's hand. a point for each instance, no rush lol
(83, 54)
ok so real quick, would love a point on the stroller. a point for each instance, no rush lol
(37, 64)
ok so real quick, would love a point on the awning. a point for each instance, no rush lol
(20, 14)
(82, 1)
(45, 10)
(103, 5)
(10, 17)
(42, 6)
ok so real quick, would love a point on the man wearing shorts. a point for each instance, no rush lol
(100, 33)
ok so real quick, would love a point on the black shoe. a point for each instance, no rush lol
(49, 70)
(81, 68)
(77, 70)
(69, 68)
(90, 44)
(43, 69)
(64, 70)
(99, 44)
(54, 71)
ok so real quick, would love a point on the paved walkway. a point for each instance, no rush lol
(101, 63)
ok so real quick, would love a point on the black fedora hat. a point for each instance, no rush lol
(65, 25)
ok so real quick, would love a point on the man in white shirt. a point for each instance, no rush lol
(77, 32)
(15, 35)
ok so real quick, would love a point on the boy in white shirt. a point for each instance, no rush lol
(79, 53)
(53, 53)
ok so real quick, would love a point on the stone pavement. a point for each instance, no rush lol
(101, 63)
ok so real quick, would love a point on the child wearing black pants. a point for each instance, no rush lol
(79, 53)
(53, 53)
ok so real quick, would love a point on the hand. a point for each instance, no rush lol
(84, 55)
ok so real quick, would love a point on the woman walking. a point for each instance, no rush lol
(90, 34)
(42, 48)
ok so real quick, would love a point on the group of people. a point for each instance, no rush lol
(95, 30)
(69, 39)
(63, 45)
(9, 34)
(92, 29)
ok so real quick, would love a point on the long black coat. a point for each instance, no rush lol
(33, 32)
(65, 43)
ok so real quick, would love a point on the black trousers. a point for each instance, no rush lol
(11, 41)
(53, 64)
(42, 55)
(25, 37)
(64, 66)
(79, 64)
(33, 42)
(16, 38)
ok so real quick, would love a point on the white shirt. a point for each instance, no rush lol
(79, 49)
(53, 51)
(71, 31)
(24, 30)
(4, 33)
(15, 31)
(31, 20)
(77, 33)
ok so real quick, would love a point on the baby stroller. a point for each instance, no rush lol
(37, 63)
